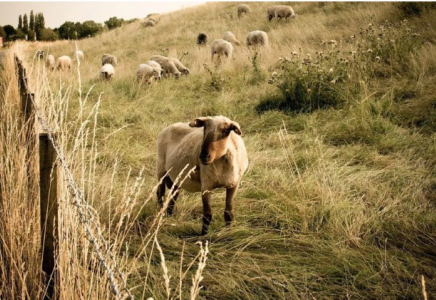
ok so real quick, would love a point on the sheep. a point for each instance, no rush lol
(63, 62)
(149, 23)
(156, 66)
(201, 39)
(180, 66)
(146, 73)
(40, 54)
(214, 149)
(50, 62)
(107, 71)
(220, 47)
(280, 11)
(109, 59)
(79, 56)
(256, 38)
(230, 37)
(167, 65)
(243, 9)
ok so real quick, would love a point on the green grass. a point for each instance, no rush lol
(338, 200)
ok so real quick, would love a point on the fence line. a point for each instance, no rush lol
(84, 211)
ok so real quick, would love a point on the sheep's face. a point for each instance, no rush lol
(216, 132)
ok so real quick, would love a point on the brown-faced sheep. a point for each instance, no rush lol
(201, 39)
(63, 62)
(230, 37)
(109, 59)
(220, 47)
(257, 38)
(213, 147)
(50, 62)
(184, 70)
(243, 9)
(167, 65)
(107, 71)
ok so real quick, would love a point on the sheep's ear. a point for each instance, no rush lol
(236, 128)
(199, 122)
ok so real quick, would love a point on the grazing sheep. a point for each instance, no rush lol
(63, 62)
(109, 59)
(167, 65)
(257, 38)
(280, 11)
(40, 54)
(180, 66)
(220, 47)
(230, 37)
(107, 71)
(214, 148)
(50, 62)
(201, 39)
(243, 9)
(145, 74)
(149, 23)
(79, 56)
(156, 66)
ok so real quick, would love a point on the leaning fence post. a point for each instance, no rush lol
(49, 213)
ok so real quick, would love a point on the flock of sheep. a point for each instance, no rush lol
(208, 151)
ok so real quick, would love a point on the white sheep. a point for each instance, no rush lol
(63, 62)
(50, 62)
(145, 74)
(220, 47)
(257, 38)
(243, 9)
(109, 59)
(180, 66)
(167, 65)
(280, 11)
(79, 56)
(213, 147)
(230, 37)
(156, 66)
(107, 71)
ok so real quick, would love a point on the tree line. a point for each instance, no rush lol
(33, 28)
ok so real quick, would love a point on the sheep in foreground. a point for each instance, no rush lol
(107, 71)
(63, 62)
(230, 37)
(109, 59)
(145, 74)
(50, 62)
(243, 9)
(280, 11)
(220, 47)
(79, 56)
(257, 38)
(167, 65)
(201, 39)
(213, 147)
(180, 66)
(156, 66)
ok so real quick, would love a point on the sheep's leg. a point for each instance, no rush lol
(172, 202)
(207, 211)
(228, 212)
(161, 191)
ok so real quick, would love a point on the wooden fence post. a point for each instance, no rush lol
(49, 213)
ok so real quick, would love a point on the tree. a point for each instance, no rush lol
(66, 30)
(114, 22)
(20, 22)
(32, 21)
(48, 34)
(10, 31)
(2, 33)
(39, 24)
(25, 24)
(89, 28)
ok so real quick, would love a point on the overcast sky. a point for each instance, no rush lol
(56, 13)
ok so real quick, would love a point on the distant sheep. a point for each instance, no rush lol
(214, 149)
(167, 65)
(149, 23)
(109, 59)
(243, 9)
(257, 38)
(63, 62)
(50, 62)
(79, 56)
(40, 54)
(184, 70)
(220, 47)
(107, 71)
(145, 74)
(230, 37)
(280, 12)
(201, 39)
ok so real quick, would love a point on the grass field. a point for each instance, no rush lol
(339, 197)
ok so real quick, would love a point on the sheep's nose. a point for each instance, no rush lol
(204, 158)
